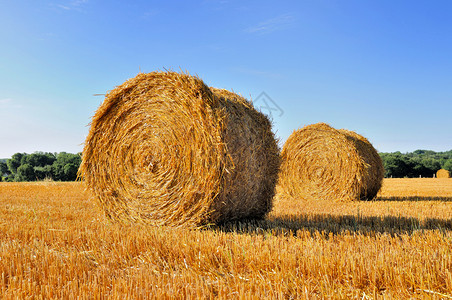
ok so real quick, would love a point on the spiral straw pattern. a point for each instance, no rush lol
(165, 149)
(320, 162)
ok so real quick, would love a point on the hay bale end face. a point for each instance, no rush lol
(442, 173)
(320, 162)
(165, 149)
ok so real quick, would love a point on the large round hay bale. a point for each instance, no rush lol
(320, 162)
(442, 173)
(165, 149)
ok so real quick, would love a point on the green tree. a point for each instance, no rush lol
(395, 165)
(423, 163)
(419, 170)
(4, 170)
(25, 173)
(448, 165)
(431, 165)
(14, 162)
(38, 159)
(70, 171)
(43, 172)
(66, 165)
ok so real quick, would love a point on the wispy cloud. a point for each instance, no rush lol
(259, 73)
(149, 14)
(217, 2)
(72, 5)
(5, 101)
(271, 25)
(8, 103)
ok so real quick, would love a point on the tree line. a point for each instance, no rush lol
(419, 163)
(40, 166)
(64, 166)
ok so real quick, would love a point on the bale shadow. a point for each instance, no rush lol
(326, 224)
(414, 198)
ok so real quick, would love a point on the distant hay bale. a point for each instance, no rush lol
(165, 149)
(320, 162)
(441, 173)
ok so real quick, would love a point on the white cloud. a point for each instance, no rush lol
(5, 101)
(271, 25)
(220, 2)
(8, 103)
(72, 5)
(255, 72)
(149, 14)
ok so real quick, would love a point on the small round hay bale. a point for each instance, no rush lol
(442, 173)
(164, 149)
(320, 162)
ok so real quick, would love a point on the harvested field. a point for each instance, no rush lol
(56, 243)
(416, 189)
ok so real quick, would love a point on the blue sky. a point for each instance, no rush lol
(380, 68)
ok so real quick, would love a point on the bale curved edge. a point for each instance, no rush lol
(165, 149)
(442, 173)
(320, 162)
